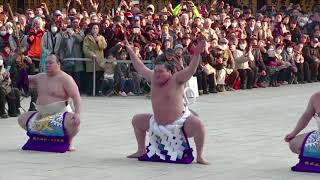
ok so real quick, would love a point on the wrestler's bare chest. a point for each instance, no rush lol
(164, 93)
(167, 103)
(52, 87)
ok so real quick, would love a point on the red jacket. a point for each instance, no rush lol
(34, 41)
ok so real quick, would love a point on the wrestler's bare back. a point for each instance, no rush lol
(50, 88)
(167, 101)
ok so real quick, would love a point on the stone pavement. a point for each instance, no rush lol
(245, 131)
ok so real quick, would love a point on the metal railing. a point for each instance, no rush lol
(105, 61)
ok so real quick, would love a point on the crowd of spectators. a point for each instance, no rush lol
(245, 50)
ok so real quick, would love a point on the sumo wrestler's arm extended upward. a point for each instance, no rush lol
(138, 64)
(183, 76)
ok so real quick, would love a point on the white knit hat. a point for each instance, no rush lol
(151, 6)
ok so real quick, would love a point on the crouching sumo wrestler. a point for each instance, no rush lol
(307, 145)
(172, 122)
(52, 127)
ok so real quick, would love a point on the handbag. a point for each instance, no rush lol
(208, 69)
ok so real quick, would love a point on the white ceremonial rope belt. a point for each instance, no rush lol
(171, 136)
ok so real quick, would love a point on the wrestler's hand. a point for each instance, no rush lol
(289, 137)
(76, 119)
(200, 47)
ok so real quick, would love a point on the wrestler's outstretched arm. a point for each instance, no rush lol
(138, 64)
(183, 76)
(304, 119)
(33, 80)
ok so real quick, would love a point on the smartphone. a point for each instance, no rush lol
(136, 30)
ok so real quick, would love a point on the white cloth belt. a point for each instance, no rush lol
(53, 108)
(171, 136)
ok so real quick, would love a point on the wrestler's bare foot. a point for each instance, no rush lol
(72, 148)
(136, 154)
(203, 161)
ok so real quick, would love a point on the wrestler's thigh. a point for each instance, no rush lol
(296, 143)
(193, 125)
(141, 121)
(69, 125)
(23, 118)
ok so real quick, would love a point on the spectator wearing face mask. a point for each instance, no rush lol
(302, 22)
(311, 55)
(289, 57)
(272, 66)
(137, 36)
(282, 65)
(50, 43)
(71, 47)
(226, 24)
(242, 56)
(229, 73)
(4, 37)
(302, 65)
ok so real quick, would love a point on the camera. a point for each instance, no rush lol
(255, 46)
(136, 30)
